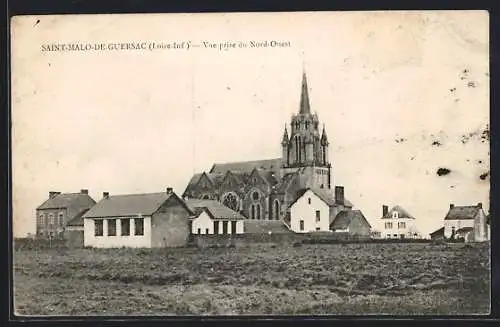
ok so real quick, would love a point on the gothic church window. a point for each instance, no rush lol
(276, 209)
(255, 196)
(231, 201)
(206, 197)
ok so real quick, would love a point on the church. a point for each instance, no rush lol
(266, 189)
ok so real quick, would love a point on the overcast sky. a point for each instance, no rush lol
(386, 85)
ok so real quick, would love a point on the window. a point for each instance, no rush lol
(125, 227)
(388, 235)
(111, 227)
(61, 219)
(224, 227)
(317, 228)
(51, 219)
(216, 227)
(99, 228)
(309, 200)
(257, 208)
(395, 235)
(388, 225)
(230, 201)
(233, 227)
(318, 216)
(276, 209)
(252, 211)
(199, 230)
(139, 226)
(207, 231)
(402, 236)
(41, 219)
(301, 225)
(255, 196)
(401, 225)
(395, 215)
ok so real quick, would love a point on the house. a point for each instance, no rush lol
(138, 220)
(54, 213)
(74, 231)
(310, 212)
(398, 223)
(460, 217)
(352, 222)
(437, 234)
(212, 217)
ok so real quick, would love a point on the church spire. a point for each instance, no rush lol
(304, 96)
(324, 138)
(285, 139)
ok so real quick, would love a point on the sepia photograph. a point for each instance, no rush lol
(263, 164)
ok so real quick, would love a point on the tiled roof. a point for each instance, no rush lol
(128, 205)
(402, 213)
(247, 166)
(438, 232)
(324, 194)
(344, 218)
(78, 220)
(216, 209)
(264, 227)
(462, 212)
(66, 200)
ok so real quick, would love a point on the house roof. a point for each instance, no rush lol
(462, 212)
(78, 219)
(439, 231)
(66, 200)
(325, 195)
(345, 217)
(129, 205)
(402, 213)
(264, 227)
(215, 209)
(247, 166)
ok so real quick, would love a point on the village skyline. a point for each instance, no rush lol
(392, 121)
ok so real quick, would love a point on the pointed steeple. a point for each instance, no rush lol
(304, 96)
(324, 138)
(285, 139)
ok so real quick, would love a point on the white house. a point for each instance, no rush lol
(310, 212)
(212, 217)
(137, 220)
(467, 222)
(398, 223)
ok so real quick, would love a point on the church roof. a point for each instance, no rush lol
(345, 217)
(402, 213)
(247, 166)
(304, 97)
(215, 209)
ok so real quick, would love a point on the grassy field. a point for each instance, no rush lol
(350, 279)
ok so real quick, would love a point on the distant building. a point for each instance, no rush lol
(467, 222)
(266, 189)
(53, 214)
(437, 234)
(212, 217)
(310, 212)
(352, 222)
(398, 223)
(375, 234)
(138, 220)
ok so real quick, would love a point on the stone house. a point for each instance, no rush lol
(352, 222)
(467, 222)
(55, 212)
(138, 220)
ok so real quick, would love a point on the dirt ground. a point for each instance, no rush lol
(354, 279)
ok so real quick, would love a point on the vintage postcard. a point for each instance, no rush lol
(313, 163)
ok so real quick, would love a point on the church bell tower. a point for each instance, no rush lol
(306, 149)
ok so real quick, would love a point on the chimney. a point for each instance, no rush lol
(105, 195)
(52, 194)
(385, 210)
(480, 205)
(452, 206)
(84, 191)
(339, 194)
(170, 190)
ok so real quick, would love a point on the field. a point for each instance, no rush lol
(336, 279)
